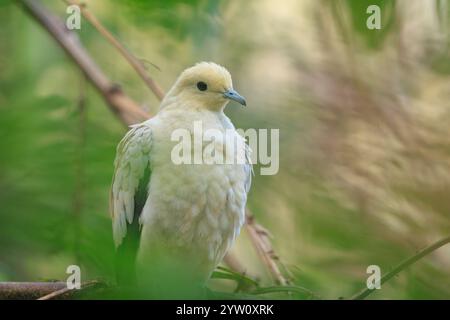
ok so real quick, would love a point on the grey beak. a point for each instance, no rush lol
(233, 95)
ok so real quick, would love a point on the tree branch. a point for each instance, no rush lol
(28, 290)
(41, 290)
(66, 292)
(135, 63)
(124, 107)
(260, 239)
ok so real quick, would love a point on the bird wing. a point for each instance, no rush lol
(129, 189)
(248, 168)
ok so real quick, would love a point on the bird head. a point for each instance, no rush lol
(205, 85)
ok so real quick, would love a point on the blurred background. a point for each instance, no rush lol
(364, 127)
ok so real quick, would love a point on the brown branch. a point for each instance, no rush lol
(260, 239)
(28, 290)
(66, 292)
(125, 108)
(40, 290)
(366, 292)
(132, 60)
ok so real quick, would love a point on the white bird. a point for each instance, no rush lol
(179, 218)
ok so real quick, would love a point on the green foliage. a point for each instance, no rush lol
(197, 19)
(372, 39)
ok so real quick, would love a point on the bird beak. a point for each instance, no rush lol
(233, 95)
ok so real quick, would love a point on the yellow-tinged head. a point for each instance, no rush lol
(205, 85)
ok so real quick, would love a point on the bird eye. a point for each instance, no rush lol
(202, 86)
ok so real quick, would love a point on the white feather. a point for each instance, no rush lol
(130, 165)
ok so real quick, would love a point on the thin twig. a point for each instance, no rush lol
(284, 289)
(64, 291)
(132, 60)
(365, 292)
(125, 108)
(260, 239)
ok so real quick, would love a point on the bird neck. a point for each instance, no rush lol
(192, 103)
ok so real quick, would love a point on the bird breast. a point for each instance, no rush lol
(197, 207)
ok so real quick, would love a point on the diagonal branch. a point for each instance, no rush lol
(125, 108)
(132, 60)
(366, 292)
(261, 241)
(65, 291)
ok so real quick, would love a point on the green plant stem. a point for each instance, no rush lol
(366, 292)
(286, 288)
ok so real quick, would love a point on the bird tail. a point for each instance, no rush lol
(125, 260)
